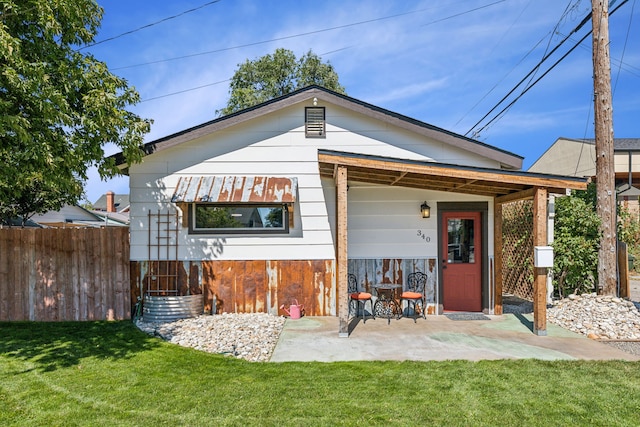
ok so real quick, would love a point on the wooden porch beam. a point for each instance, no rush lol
(465, 184)
(498, 250)
(342, 298)
(436, 169)
(540, 274)
(402, 175)
(520, 195)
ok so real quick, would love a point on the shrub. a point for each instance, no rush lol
(576, 243)
(629, 231)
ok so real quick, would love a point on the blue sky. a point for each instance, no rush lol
(444, 62)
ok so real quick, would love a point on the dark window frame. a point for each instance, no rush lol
(284, 230)
(315, 124)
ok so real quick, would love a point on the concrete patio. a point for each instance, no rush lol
(436, 338)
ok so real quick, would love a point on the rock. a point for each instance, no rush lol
(597, 317)
(250, 336)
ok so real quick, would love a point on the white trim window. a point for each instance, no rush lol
(238, 218)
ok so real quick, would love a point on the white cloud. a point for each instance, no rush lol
(404, 92)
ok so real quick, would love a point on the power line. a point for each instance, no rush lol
(323, 30)
(508, 72)
(555, 29)
(219, 82)
(286, 37)
(500, 114)
(151, 24)
(533, 70)
(463, 13)
(624, 48)
(185, 90)
(629, 68)
(531, 85)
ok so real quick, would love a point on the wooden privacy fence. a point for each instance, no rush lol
(57, 274)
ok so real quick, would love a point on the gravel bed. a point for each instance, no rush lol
(250, 336)
(632, 347)
(612, 321)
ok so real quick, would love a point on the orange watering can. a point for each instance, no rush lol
(295, 310)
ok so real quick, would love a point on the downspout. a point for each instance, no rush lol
(630, 176)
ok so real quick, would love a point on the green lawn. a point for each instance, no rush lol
(111, 374)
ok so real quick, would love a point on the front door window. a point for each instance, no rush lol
(460, 248)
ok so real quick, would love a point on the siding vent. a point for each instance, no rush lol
(314, 122)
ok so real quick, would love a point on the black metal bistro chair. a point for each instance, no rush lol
(414, 294)
(359, 297)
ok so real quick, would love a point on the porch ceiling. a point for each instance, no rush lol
(441, 176)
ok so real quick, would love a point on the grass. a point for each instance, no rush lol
(110, 373)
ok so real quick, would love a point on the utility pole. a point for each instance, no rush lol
(605, 172)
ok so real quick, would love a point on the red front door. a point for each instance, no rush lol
(462, 261)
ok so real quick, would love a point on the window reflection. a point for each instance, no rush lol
(240, 217)
(460, 241)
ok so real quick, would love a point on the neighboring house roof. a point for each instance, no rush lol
(507, 159)
(625, 144)
(121, 203)
(619, 144)
(74, 216)
(576, 157)
(17, 222)
(113, 218)
(68, 215)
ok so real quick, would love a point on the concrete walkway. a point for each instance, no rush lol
(436, 338)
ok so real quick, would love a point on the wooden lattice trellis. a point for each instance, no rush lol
(517, 255)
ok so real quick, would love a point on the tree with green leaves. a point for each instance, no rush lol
(271, 76)
(58, 106)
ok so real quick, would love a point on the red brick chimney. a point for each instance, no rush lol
(111, 202)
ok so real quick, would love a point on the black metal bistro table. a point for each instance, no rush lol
(386, 305)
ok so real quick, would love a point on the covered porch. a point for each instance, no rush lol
(499, 186)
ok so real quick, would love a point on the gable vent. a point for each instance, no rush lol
(314, 124)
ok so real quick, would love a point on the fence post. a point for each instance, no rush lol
(623, 270)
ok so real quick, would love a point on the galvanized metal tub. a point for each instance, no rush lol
(170, 308)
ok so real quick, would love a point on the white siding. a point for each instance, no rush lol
(385, 222)
(382, 221)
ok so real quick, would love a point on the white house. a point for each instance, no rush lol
(283, 200)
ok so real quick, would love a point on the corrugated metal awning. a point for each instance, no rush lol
(234, 189)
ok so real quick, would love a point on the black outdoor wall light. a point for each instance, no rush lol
(425, 210)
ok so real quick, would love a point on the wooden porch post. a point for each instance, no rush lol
(497, 250)
(540, 274)
(341, 251)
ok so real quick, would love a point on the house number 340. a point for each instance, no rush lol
(423, 236)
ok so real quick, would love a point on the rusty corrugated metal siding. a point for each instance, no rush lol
(233, 189)
(253, 286)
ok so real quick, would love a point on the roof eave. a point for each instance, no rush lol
(505, 158)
